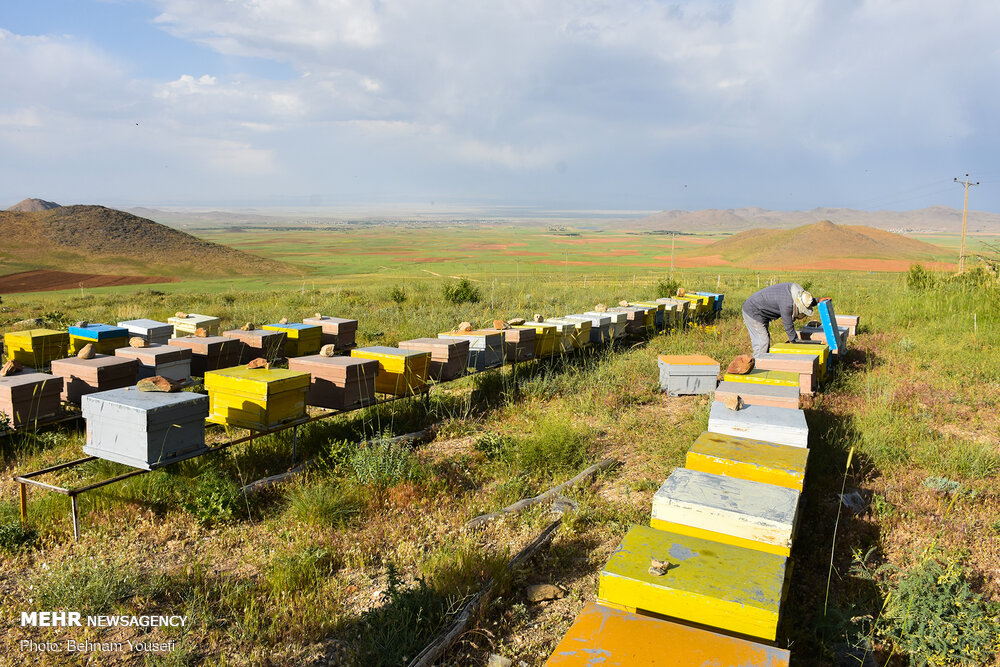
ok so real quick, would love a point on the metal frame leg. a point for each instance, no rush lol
(75, 513)
(24, 505)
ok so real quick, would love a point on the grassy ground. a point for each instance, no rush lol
(364, 557)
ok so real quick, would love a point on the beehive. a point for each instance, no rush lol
(749, 459)
(337, 331)
(88, 376)
(189, 325)
(611, 637)
(727, 509)
(485, 346)
(166, 361)
(619, 321)
(258, 344)
(257, 399)
(806, 348)
(339, 383)
(659, 312)
(36, 348)
(519, 344)
(149, 330)
(682, 311)
(805, 365)
(143, 429)
(759, 394)
(682, 374)
(300, 339)
(28, 397)
(580, 334)
(717, 299)
(210, 353)
(449, 356)
(758, 376)
(635, 319)
(849, 321)
(781, 425)
(105, 339)
(546, 338)
(600, 327)
(718, 585)
(400, 372)
(566, 332)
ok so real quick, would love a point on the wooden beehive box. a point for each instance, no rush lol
(87, 376)
(105, 338)
(300, 339)
(546, 338)
(257, 399)
(259, 344)
(717, 299)
(805, 365)
(210, 353)
(759, 376)
(760, 394)
(449, 356)
(519, 344)
(167, 361)
(338, 383)
(619, 321)
(600, 327)
(681, 311)
(565, 335)
(709, 583)
(849, 321)
(27, 397)
(728, 510)
(149, 330)
(749, 459)
(485, 346)
(659, 313)
(760, 422)
(636, 319)
(337, 331)
(820, 349)
(143, 429)
(612, 637)
(400, 372)
(36, 348)
(682, 374)
(189, 325)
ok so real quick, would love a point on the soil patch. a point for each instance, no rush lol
(851, 264)
(49, 281)
(690, 262)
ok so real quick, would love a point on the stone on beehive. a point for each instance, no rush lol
(283, 320)
(781, 425)
(86, 352)
(10, 368)
(749, 459)
(515, 321)
(159, 383)
(328, 350)
(743, 363)
(728, 510)
(259, 362)
(137, 341)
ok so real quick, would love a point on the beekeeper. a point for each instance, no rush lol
(787, 301)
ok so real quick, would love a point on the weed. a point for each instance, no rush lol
(300, 569)
(459, 570)
(14, 537)
(920, 279)
(326, 504)
(92, 584)
(216, 499)
(383, 463)
(461, 292)
(667, 287)
(397, 294)
(946, 486)
(494, 446)
(554, 445)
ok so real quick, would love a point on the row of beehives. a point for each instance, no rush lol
(715, 556)
(164, 427)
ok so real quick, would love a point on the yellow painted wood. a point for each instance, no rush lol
(757, 376)
(546, 338)
(101, 346)
(187, 326)
(806, 348)
(610, 637)
(693, 531)
(711, 583)
(257, 399)
(400, 372)
(300, 340)
(36, 348)
(749, 459)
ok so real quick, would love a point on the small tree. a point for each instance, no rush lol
(461, 292)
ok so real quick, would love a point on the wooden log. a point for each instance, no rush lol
(525, 503)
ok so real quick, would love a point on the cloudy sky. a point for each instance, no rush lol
(584, 104)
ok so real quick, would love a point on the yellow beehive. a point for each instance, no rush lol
(36, 348)
(821, 349)
(189, 325)
(710, 583)
(581, 331)
(257, 399)
(546, 338)
(300, 339)
(659, 312)
(772, 378)
(400, 372)
(749, 459)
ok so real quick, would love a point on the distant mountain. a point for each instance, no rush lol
(103, 240)
(29, 205)
(815, 243)
(939, 219)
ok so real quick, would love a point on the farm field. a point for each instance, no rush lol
(361, 559)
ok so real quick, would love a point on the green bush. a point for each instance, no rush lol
(935, 617)
(397, 294)
(667, 287)
(383, 463)
(300, 569)
(494, 446)
(554, 445)
(216, 499)
(461, 292)
(13, 536)
(920, 279)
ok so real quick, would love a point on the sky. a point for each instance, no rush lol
(568, 104)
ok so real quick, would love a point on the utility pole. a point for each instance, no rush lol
(672, 235)
(965, 215)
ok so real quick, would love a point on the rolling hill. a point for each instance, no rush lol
(103, 240)
(29, 205)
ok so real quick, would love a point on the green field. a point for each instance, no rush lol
(365, 556)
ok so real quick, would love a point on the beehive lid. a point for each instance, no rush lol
(147, 327)
(154, 354)
(688, 360)
(385, 352)
(749, 458)
(758, 389)
(821, 349)
(255, 382)
(25, 386)
(206, 346)
(650, 304)
(596, 319)
(616, 316)
(477, 333)
(98, 332)
(102, 367)
(335, 368)
(193, 318)
(786, 426)
(144, 409)
(32, 334)
(441, 349)
(759, 376)
(252, 337)
(342, 323)
(292, 326)
(798, 363)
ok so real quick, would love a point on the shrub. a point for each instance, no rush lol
(494, 446)
(920, 279)
(383, 463)
(397, 294)
(92, 584)
(461, 292)
(13, 536)
(554, 445)
(300, 569)
(667, 287)
(216, 499)
(937, 619)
